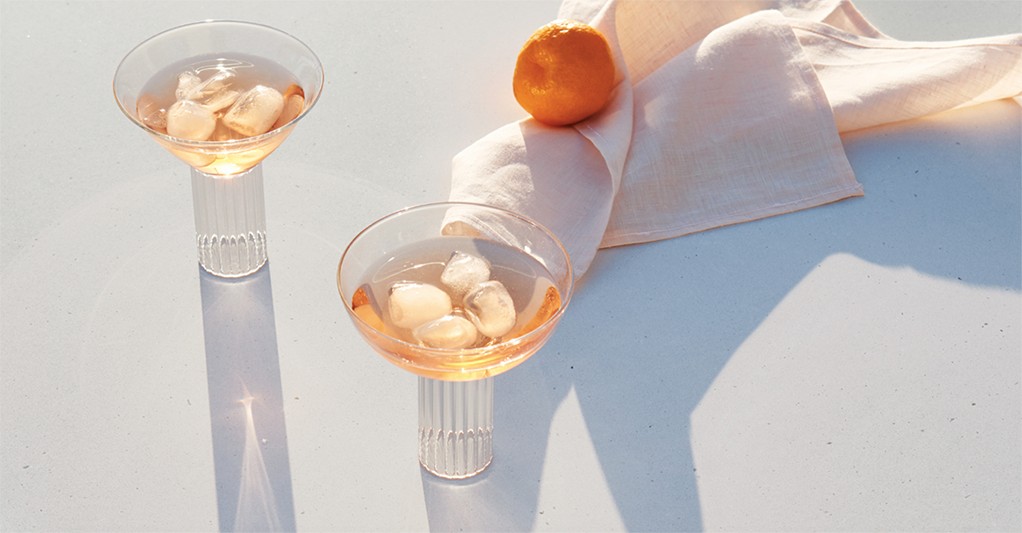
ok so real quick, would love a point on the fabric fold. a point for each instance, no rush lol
(871, 81)
(723, 112)
(729, 165)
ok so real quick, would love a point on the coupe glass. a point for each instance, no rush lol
(456, 385)
(227, 178)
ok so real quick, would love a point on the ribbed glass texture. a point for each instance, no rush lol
(455, 426)
(230, 222)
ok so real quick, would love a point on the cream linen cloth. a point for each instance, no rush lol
(723, 112)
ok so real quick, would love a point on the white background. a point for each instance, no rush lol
(850, 367)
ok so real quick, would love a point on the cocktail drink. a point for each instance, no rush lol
(221, 96)
(455, 293)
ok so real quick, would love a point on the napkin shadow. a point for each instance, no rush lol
(651, 326)
(929, 206)
(250, 455)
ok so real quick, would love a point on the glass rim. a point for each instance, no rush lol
(232, 142)
(565, 298)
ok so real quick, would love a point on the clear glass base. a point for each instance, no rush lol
(230, 222)
(455, 426)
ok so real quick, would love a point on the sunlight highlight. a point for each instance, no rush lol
(257, 508)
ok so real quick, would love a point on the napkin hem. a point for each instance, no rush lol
(826, 148)
(639, 237)
(875, 43)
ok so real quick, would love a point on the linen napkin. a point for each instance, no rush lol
(722, 112)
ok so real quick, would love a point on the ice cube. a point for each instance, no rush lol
(413, 304)
(151, 113)
(186, 82)
(223, 133)
(450, 332)
(214, 93)
(255, 111)
(463, 272)
(191, 87)
(294, 103)
(217, 83)
(491, 309)
(220, 100)
(189, 120)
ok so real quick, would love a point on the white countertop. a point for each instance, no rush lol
(851, 367)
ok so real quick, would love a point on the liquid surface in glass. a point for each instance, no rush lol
(456, 293)
(220, 98)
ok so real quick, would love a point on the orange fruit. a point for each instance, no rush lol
(564, 73)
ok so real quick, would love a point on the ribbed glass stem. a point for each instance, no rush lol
(455, 426)
(230, 222)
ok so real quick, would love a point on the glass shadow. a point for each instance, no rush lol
(246, 404)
